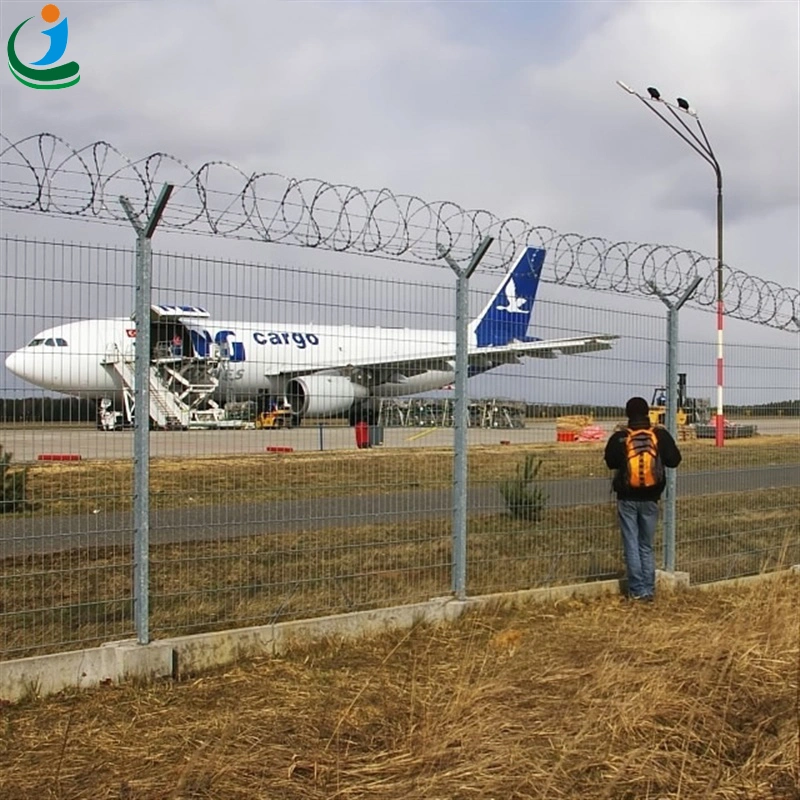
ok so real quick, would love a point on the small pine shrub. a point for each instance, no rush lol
(12, 485)
(525, 499)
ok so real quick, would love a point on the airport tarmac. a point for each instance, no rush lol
(28, 442)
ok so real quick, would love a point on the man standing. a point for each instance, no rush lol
(639, 454)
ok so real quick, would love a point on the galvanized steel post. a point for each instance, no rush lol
(670, 506)
(141, 433)
(460, 416)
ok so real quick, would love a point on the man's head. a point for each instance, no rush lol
(637, 408)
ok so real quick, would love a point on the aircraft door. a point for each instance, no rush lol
(170, 340)
(169, 336)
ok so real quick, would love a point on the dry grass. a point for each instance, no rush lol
(91, 486)
(692, 698)
(83, 597)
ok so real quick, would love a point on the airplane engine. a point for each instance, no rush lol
(320, 395)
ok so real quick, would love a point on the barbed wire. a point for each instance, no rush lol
(43, 173)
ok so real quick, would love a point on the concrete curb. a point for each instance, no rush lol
(120, 662)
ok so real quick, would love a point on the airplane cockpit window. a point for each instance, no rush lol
(61, 342)
(35, 342)
(50, 343)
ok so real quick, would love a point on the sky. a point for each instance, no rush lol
(511, 107)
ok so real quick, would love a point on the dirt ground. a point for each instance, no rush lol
(695, 696)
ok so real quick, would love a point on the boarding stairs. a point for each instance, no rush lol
(180, 388)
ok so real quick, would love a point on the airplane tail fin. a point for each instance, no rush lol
(508, 314)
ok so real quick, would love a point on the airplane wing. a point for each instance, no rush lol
(481, 359)
(550, 348)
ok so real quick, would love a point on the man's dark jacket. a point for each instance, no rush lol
(615, 459)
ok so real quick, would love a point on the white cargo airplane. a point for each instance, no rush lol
(319, 370)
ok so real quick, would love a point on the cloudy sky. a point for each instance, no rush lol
(506, 106)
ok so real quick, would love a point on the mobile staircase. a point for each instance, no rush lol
(180, 388)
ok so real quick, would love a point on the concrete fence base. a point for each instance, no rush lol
(119, 662)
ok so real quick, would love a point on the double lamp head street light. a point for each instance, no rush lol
(700, 144)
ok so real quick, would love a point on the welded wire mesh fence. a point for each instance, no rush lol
(302, 443)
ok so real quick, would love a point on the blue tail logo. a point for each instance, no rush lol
(508, 314)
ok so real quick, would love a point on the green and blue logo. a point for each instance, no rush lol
(40, 75)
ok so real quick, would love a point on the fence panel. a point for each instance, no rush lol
(65, 539)
(256, 518)
(741, 513)
(548, 514)
(277, 522)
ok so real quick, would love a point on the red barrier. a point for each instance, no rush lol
(277, 448)
(58, 457)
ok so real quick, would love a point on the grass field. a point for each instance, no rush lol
(692, 698)
(88, 487)
(83, 596)
(53, 602)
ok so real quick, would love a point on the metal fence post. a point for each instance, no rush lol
(460, 416)
(141, 431)
(670, 506)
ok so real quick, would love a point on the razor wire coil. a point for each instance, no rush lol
(42, 173)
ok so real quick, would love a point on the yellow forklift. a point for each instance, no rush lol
(691, 410)
(658, 409)
(277, 418)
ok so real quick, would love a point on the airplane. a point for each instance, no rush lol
(312, 370)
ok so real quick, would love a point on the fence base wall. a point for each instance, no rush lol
(120, 662)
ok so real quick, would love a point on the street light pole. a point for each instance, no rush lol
(703, 148)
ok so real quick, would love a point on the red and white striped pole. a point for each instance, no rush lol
(720, 429)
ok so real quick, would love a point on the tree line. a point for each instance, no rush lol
(47, 409)
(74, 410)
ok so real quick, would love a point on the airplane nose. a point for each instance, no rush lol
(14, 364)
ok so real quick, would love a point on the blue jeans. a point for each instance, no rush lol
(637, 522)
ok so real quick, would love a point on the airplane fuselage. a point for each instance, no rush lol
(251, 356)
(318, 369)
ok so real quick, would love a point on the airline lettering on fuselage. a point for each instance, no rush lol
(230, 349)
(299, 340)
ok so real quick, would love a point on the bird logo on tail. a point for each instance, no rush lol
(514, 304)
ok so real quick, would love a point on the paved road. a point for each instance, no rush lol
(28, 442)
(33, 535)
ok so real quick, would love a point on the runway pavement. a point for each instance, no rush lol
(25, 536)
(28, 442)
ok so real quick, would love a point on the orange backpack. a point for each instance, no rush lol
(644, 468)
